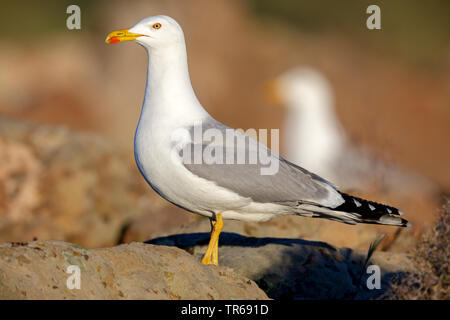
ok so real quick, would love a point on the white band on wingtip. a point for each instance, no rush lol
(358, 204)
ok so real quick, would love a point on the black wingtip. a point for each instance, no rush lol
(372, 212)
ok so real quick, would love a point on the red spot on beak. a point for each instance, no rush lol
(114, 40)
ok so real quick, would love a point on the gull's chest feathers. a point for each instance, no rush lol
(155, 155)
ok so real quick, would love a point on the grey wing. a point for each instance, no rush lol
(286, 183)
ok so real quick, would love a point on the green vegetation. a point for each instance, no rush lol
(36, 20)
(416, 30)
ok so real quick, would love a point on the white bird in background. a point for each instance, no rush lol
(171, 112)
(315, 139)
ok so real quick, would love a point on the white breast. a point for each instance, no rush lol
(165, 172)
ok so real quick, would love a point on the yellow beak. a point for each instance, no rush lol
(272, 94)
(122, 35)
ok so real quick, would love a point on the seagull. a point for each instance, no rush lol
(205, 167)
(315, 138)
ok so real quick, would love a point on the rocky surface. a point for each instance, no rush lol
(76, 187)
(37, 270)
(250, 268)
(298, 269)
(59, 184)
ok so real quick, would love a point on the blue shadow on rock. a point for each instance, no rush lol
(292, 268)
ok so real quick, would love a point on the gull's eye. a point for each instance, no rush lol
(156, 25)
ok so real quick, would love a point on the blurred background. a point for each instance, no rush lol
(69, 105)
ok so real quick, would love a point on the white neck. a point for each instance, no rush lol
(169, 93)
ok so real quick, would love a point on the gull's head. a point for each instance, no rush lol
(152, 32)
(300, 88)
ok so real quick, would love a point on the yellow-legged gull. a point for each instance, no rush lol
(188, 171)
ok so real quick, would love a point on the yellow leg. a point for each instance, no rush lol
(215, 253)
(207, 258)
(212, 252)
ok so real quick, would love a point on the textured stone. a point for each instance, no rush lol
(59, 184)
(37, 270)
(298, 269)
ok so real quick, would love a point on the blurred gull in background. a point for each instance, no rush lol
(315, 139)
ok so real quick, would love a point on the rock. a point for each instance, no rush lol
(59, 184)
(37, 270)
(64, 185)
(298, 269)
